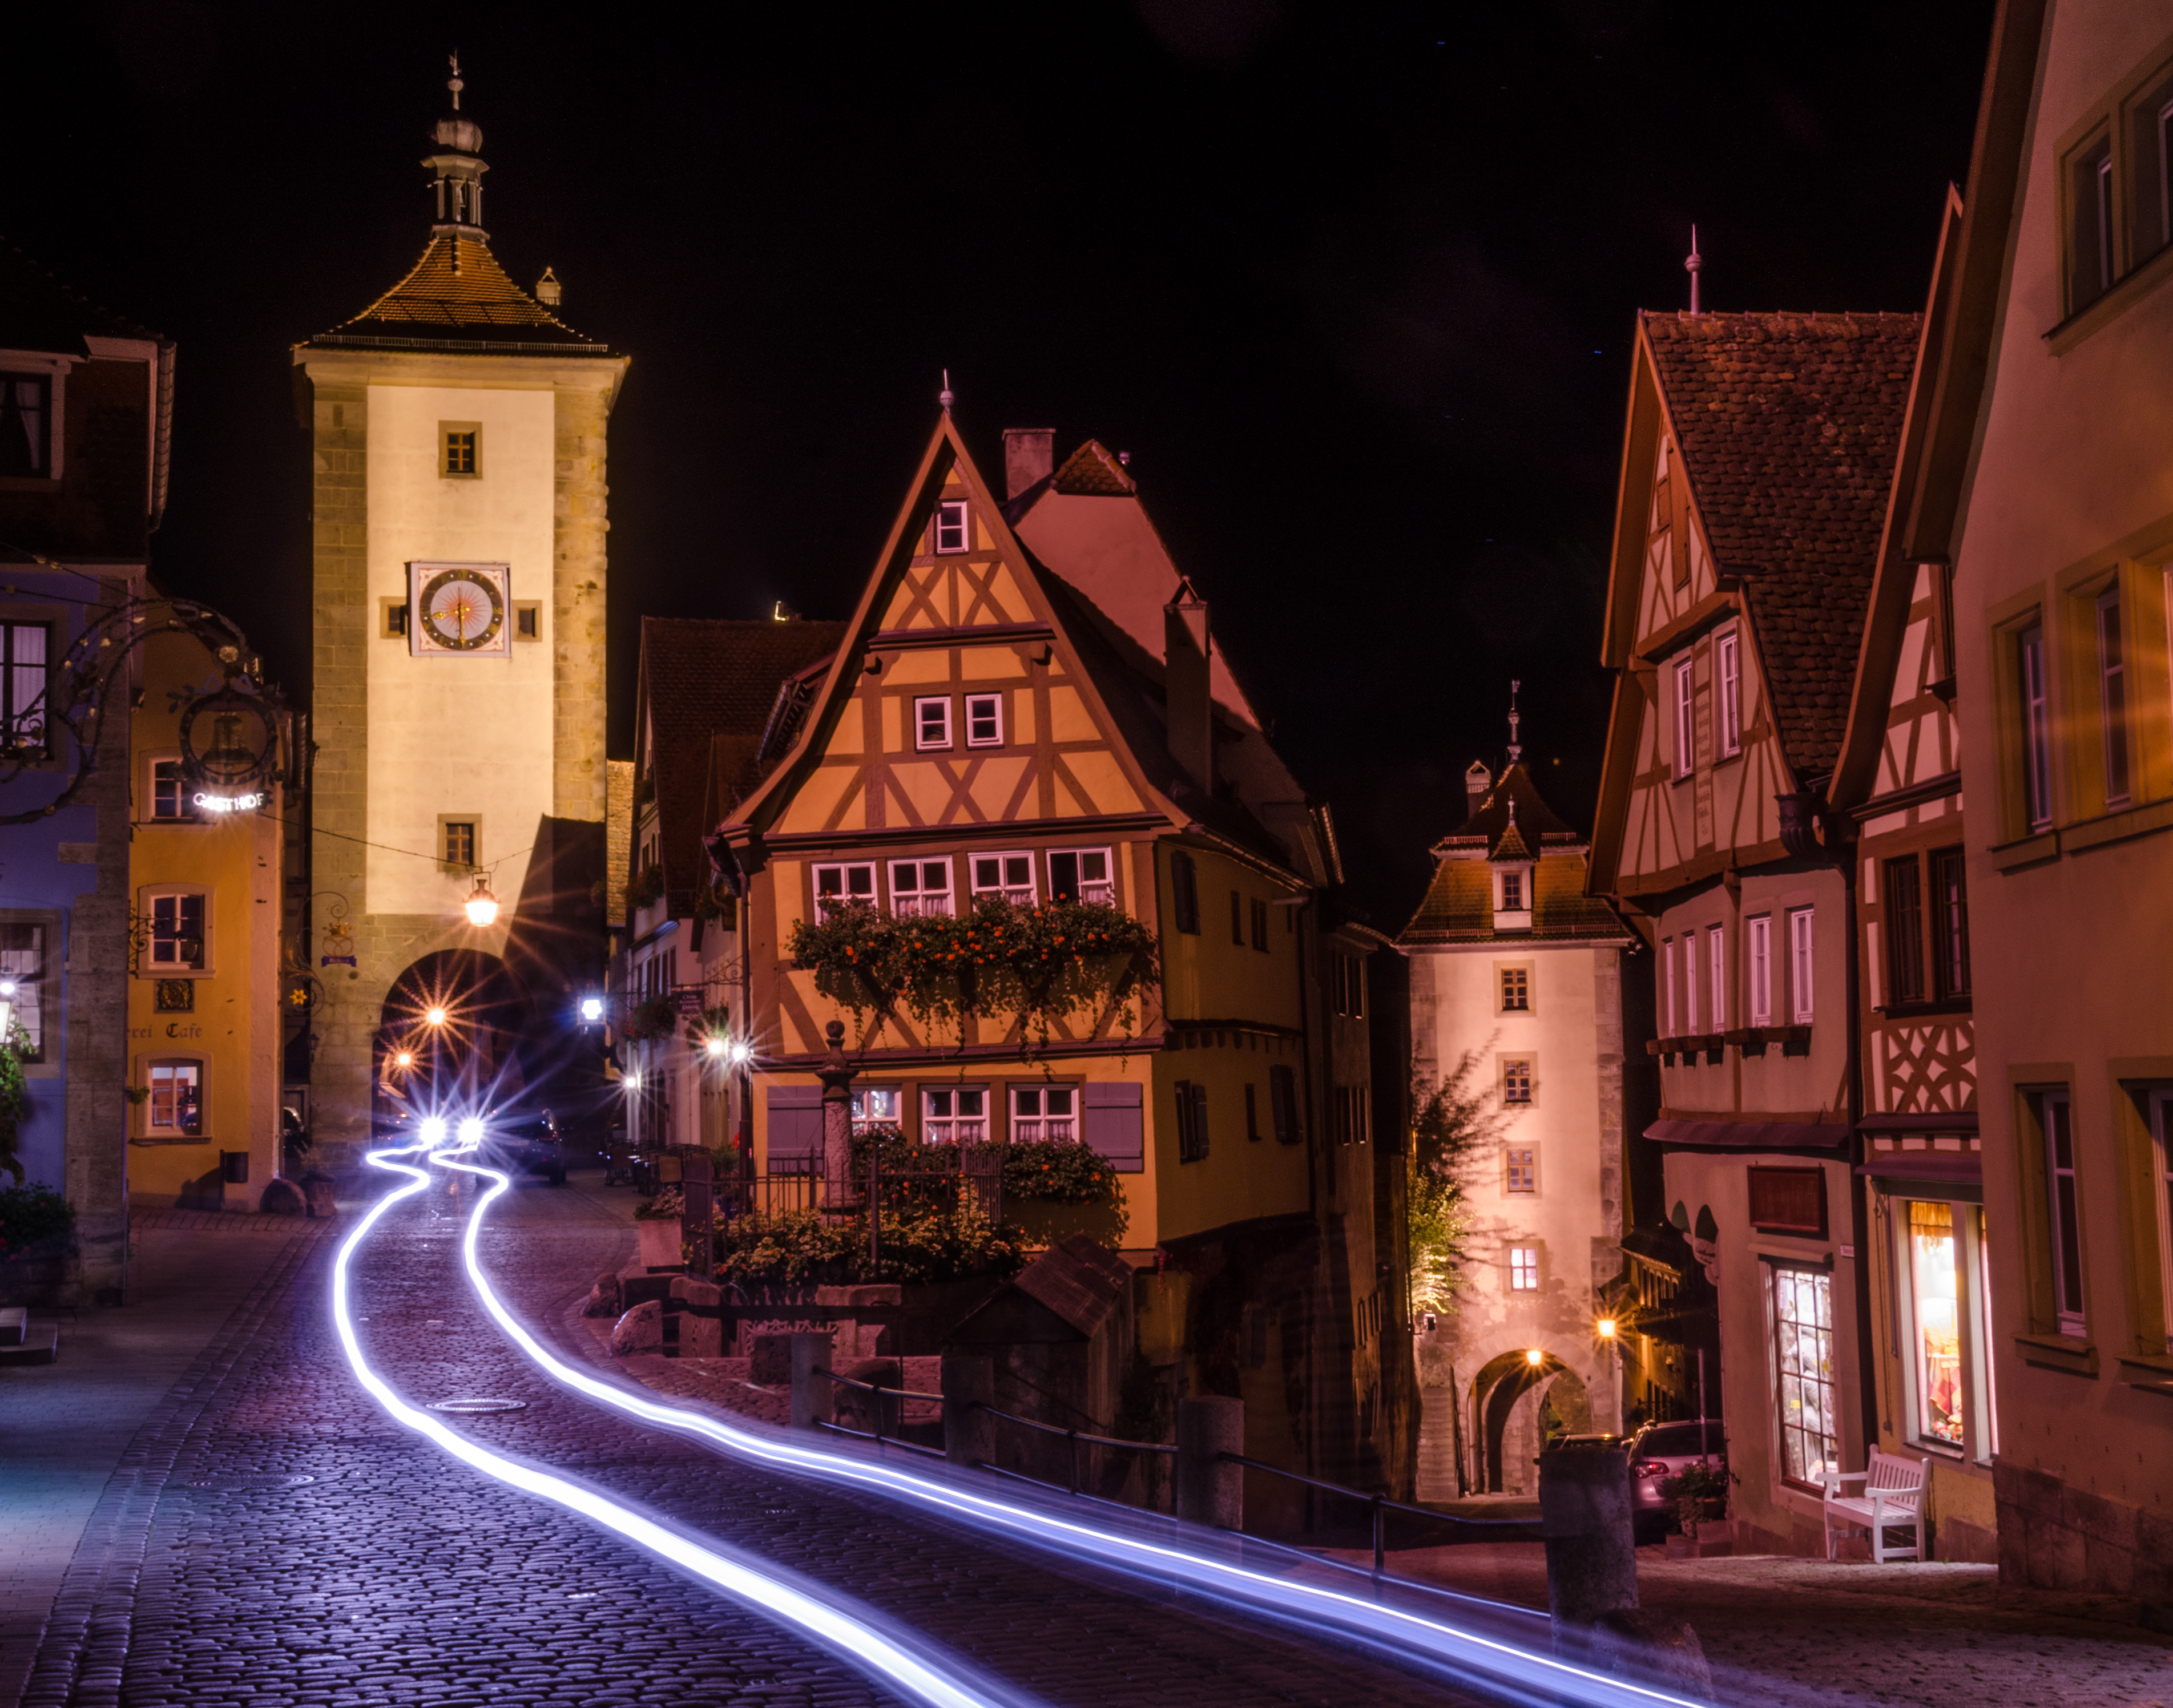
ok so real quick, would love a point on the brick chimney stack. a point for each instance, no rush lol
(1476, 782)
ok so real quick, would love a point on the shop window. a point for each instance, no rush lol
(1799, 1322)
(175, 1109)
(1934, 1324)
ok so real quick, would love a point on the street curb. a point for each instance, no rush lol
(82, 1648)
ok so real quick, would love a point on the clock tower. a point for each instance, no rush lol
(459, 575)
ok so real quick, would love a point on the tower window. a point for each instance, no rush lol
(460, 834)
(528, 621)
(952, 531)
(460, 445)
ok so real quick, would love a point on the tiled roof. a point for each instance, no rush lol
(1094, 472)
(1534, 817)
(38, 312)
(1789, 426)
(1458, 907)
(702, 678)
(458, 291)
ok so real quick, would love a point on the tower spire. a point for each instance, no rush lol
(1516, 748)
(945, 396)
(1693, 264)
(458, 164)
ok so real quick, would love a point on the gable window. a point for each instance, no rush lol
(1758, 934)
(846, 883)
(984, 720)
(2063, 1212)
(2112, 697)
(170, 794)
(920, 889)
(1681, 693)
(1515, 1080)
(1010, 875)
(1260, 925)
(23, 984)
(460, 447)
(931, 722)
(1512, 891)
(1716, 957)
(1951, 922)
(175, 1109)
(2036, 728)
(1282, 1104)
(1799, 966)
(1799, 1318)
(1905, 931)
(1728, 666)
(1516, 990)
(26, 426)
(1520, 1170)
(2090, 223)
(23, 679)
(1184, 892)
(1191, 1121)
(954, 1115)
(1082, 874)
(952, 531)
(1044, 1112)
(1523, 1268)
(178, 935)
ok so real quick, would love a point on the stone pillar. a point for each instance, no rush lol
(969, 1433)
(1584, 1514)
(697, 1211)
(1209, 1491)
(814, 1397)
(836, 1076)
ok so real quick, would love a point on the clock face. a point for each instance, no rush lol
(457, 610)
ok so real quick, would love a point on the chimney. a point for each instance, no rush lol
(1029, 455)
(1476, 782)
(1191, 705)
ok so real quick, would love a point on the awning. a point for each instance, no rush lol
(1962, 1167)
(1945, 1120)
(1750, 1136)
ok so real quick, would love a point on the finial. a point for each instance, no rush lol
(1691, 265)
(1516, 750)
(944, 396)
(453, 83)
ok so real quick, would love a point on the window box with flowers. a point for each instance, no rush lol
(645, 888)
(647, 1020)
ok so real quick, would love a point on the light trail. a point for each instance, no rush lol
(1503, 1669)
(852, 1638)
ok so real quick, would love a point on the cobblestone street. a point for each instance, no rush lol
(396, 1575)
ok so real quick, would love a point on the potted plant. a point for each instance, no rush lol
(1700, 1493)
(656, 1225)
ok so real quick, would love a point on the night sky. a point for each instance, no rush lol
(1354, 285)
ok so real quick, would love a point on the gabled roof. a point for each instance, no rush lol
(703, 679)
(1789, 426)
(458, 295)
(1092, 471)
(1512, 822)
(1514, 794)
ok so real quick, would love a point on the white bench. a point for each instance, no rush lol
(1893, 1495)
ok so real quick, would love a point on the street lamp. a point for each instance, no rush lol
(481, 906)
(1606, 1326)
(592, 1009)
(406, 1059)
(1535, 1358)
(435, 1016)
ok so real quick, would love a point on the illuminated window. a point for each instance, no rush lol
(931, 722)
(1523, 1268)
(952, 531)
(954, 1115)
(1044, 1112)
(875, 1106)
(1935, 1323)
(1520, 1169)
(984, 720)
(919, 888)
(175, 1107)
(1799, 1318)
(22, 983)
(845, 884)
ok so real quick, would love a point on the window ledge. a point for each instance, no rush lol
(2066, 1352)
(2030, 851)
(2118, 826)
(2112, 305)
(2148, 1369)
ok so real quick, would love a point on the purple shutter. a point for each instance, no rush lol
(795, 1128)
(1115, 1123)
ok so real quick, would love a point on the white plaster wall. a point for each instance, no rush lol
(457, 735)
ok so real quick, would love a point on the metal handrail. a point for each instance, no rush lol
(1380, 1506)
(875, 1387)
(1075, 1435)
(878, 1437)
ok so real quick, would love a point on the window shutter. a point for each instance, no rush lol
(1282, 1097)
(795, 1128)
(1114, 1121)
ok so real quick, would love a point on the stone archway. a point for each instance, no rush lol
(1502, 1381)
(446, 1035)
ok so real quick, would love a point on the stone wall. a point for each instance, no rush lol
(2055, 1536)
(579, 585)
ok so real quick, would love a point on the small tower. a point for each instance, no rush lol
(459, 164)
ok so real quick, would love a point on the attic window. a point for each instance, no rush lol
(951, 532)
(1513, 892)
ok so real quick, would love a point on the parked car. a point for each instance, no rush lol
(1659, 1451)
(528, 1144)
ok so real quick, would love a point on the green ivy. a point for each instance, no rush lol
(31, 1214)
(1040, 963)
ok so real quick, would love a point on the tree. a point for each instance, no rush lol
(1456, 1117)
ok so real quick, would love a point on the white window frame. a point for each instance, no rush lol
(2036, 728)
(844, 891)
(1802, 964)
(1667, 980)
(922, 741)
(1758, 946)
(2111, 628)
(954, 521)
(185, 810)
(991, 706)
(1520, 902)
(2057, 1112)
(944, 1119)
(916, 900)
(1033, 1119)
(1715, 958)
(1107, 884)
(1684, 691)
(1020, 896)
(152, 965)
(860, 1110)
(1727, 670)
(1690, 984)
(1816, 1382)
(173, 1129)
(1523, 1268)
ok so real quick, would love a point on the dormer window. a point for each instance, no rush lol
(951, 531)
(1513, 897)
(1513, 891)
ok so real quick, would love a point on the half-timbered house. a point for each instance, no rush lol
(1028, 703)
(1758, 461)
